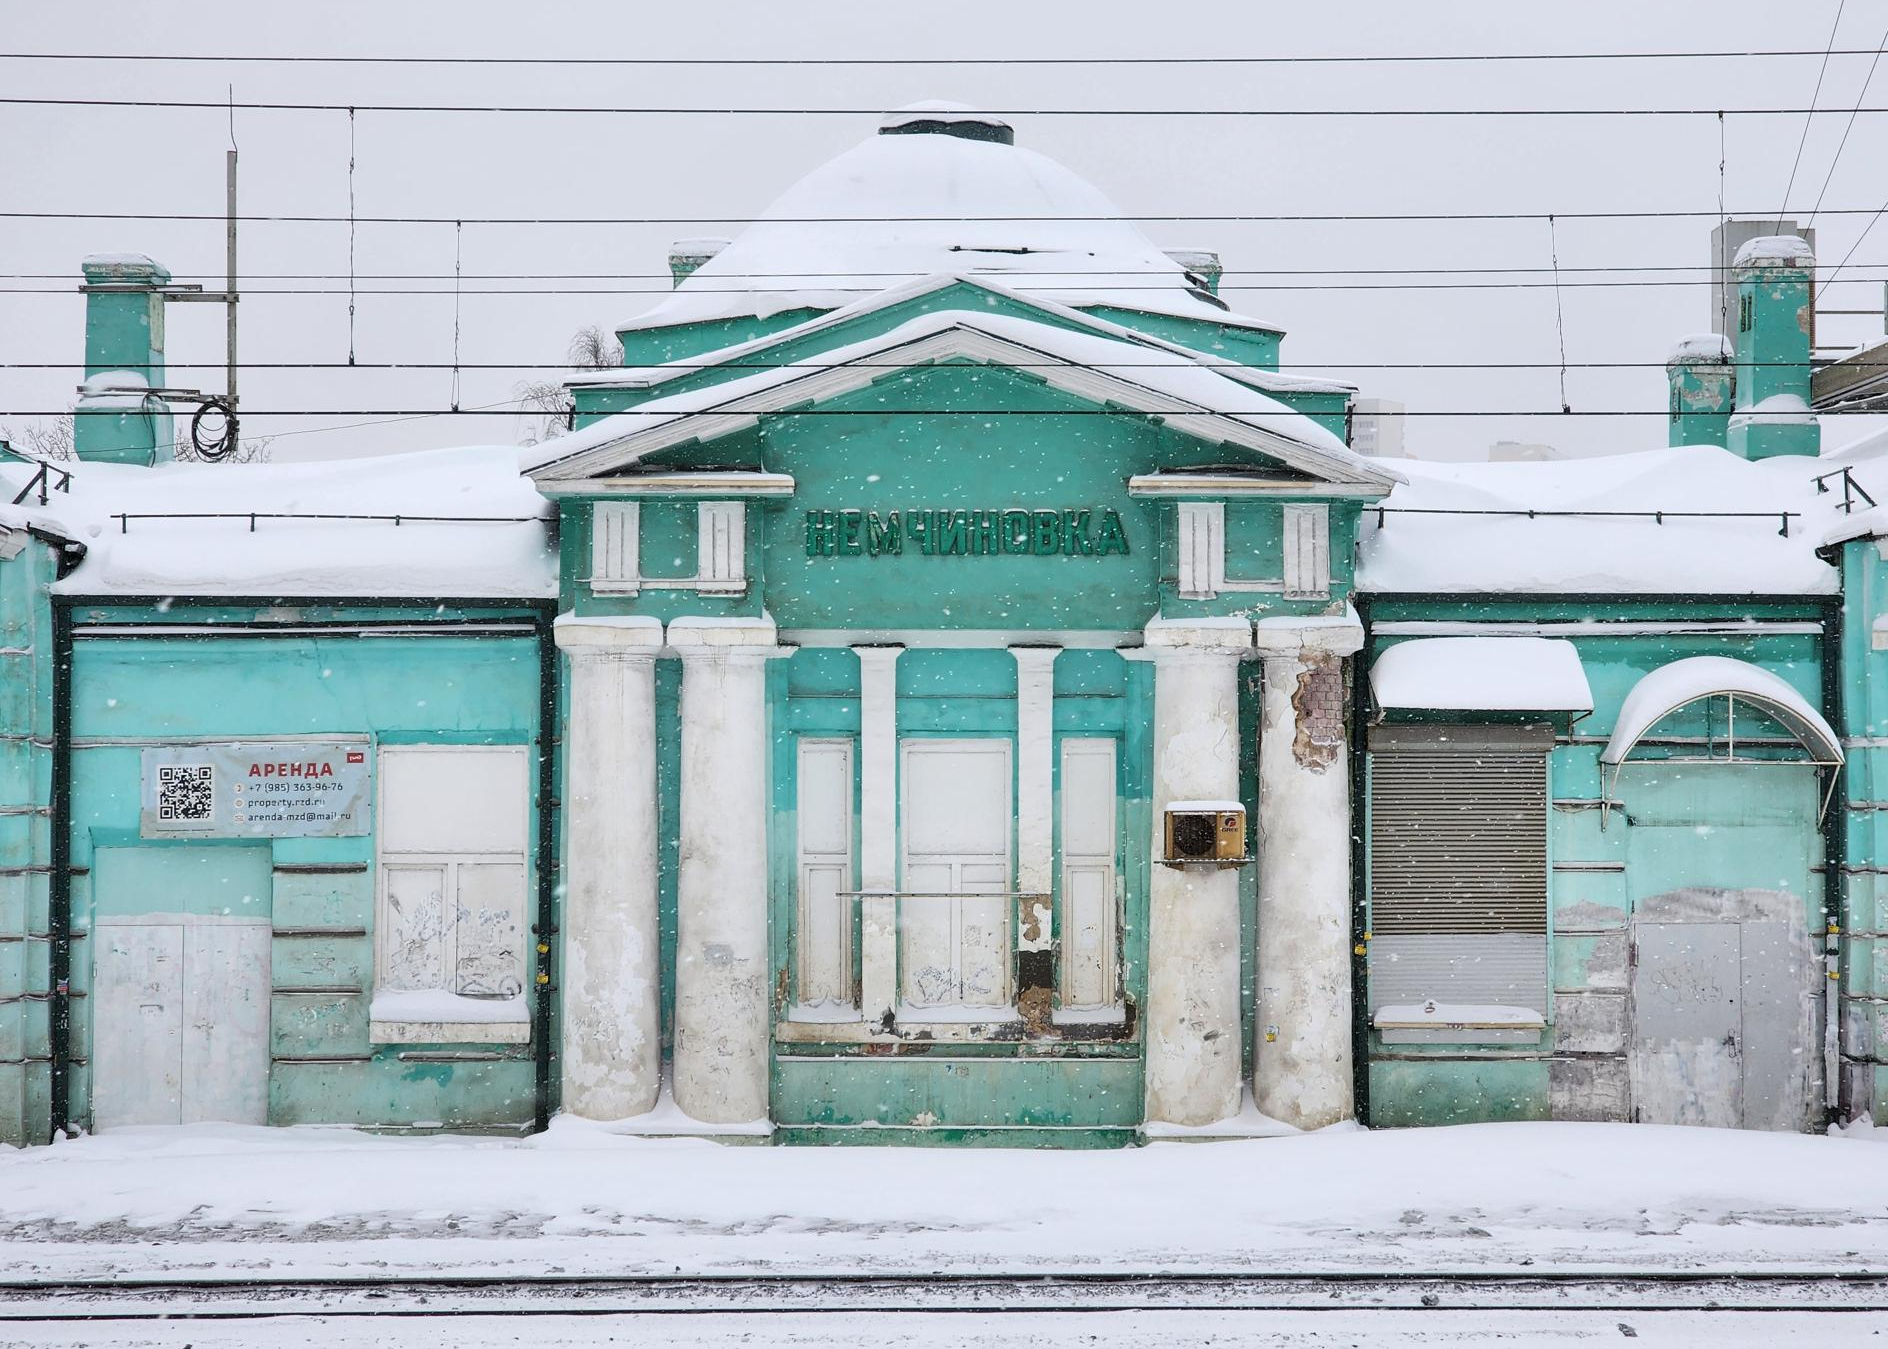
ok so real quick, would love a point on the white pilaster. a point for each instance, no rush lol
(878, 830)
(612, 1049)
(722, 981)
(1035, 796)
(1302, 1067)
(1193, 1040)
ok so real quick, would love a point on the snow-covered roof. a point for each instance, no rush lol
(1481, 674)
(1693, 520)
(900, 206)
(643, 377)
(1668, 688)
(1186, 392)
(189, 529)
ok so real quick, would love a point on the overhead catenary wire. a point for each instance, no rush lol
(513, 407)
(1842, 144)
(1169, 217)
(1810, 116)
(1214, 59)
(683, 366)
(778, 110)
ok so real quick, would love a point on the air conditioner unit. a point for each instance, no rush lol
(1210, 832)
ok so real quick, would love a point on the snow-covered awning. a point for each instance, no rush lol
(1482, 674)
(1670, 687)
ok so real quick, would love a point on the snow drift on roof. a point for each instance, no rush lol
(1619, 546)
(1670, 687)
(896, 207)
(498, 547)
(1482, 674)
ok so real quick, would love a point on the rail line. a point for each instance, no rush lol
(1839, 1293)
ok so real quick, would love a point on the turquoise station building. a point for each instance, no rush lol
(948, 686)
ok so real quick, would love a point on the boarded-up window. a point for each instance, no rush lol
(614, 561)
(453, 876)
(1458, 865)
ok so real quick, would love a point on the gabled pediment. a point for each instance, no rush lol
(1170, 388)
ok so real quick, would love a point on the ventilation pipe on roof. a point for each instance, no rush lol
(687, 255)
(1774, 320)
(1201, 265)
(117, 419)
(936, 117)
(1703, 383)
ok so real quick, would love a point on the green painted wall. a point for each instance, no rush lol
(26, 733)
(1675, 826)
(434, 690)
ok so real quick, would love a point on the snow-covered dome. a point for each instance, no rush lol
(938, 191)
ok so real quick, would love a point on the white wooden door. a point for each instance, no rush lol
(954, 914)
(823, 807)
(1088, 874)
(180, 1029)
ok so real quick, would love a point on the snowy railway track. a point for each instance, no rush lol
(1838, 1294)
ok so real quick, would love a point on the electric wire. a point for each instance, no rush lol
(1180, 217)
(1810, 117)
(1386, 58)
(657, 110)
(1841, 145)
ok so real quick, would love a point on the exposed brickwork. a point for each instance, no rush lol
(1319, 704)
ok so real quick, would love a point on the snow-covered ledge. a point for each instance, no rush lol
(436, 1017)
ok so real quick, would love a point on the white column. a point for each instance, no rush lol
(1193, 944)
(1035, 830)
(723, 986)
(1302, 1067)
(612, 1048)
(878, 831)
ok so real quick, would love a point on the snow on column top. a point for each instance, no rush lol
(1700, 349)
(1775, 250)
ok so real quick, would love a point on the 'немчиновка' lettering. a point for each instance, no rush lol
(947, 533)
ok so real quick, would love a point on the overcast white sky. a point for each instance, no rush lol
(706, 166)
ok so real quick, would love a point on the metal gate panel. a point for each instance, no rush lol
(1687, 1061)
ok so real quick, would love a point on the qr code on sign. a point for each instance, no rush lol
(185, 791)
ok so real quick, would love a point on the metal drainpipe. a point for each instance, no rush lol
(546, 926)
(1835, 848)
(1359, 891)
(59, 881)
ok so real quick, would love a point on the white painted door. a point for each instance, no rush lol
(954, 914)
(1088, 874)
(137, 1024)
(823, 807)
(180, 1028)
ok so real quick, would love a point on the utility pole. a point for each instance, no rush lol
(229, 288)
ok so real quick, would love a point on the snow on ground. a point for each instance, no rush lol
(223, 1201)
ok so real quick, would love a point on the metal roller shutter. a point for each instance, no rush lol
(1458, 829)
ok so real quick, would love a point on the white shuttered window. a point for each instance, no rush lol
(723, 545)
(1307, 550)
(615, 563)
(1202, 549)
